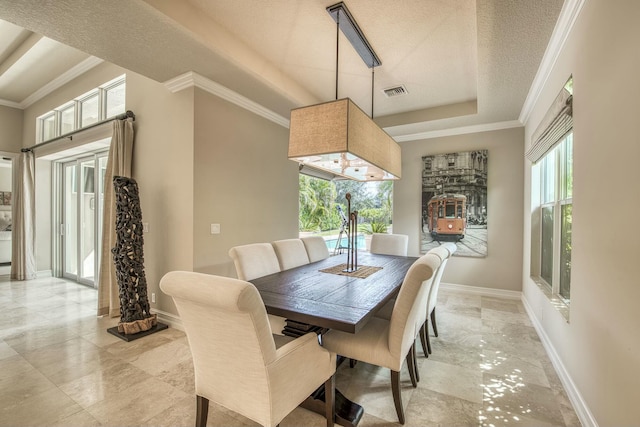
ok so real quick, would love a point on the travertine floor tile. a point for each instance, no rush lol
(60, 367)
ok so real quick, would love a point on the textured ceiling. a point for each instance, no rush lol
(463, 62)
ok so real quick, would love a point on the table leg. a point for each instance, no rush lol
(348, 413)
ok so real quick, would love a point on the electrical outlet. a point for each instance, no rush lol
(153, 297)
(215, 228)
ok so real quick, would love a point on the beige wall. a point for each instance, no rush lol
(163, 167)
(10, 129)
(6, 178)
(243, 181)
(501, 269)
(599, 348)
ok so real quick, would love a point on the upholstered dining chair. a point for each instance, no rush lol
(444, 251)
(237, 362)
(388, 343)
(291, 253)
(389, 244)
(257, 260)
(316, 248)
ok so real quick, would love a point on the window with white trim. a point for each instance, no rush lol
(555, 210)
(101, 103)
(552, 203)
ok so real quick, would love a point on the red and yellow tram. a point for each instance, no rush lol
(447, 217)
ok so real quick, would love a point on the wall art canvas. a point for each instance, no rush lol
(454, 202)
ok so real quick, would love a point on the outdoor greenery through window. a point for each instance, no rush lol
(556, 214)
(101, 103)
(320, 199)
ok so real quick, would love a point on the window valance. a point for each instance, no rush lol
(555, 124)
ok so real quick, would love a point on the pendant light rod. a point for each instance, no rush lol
(354, 34)
(337, 49)
(372, 79)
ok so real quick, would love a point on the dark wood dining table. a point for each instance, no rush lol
(310, 295)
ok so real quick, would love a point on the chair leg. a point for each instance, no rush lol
(397, 397)
(411, 367)
(423, 339)
(330, 400)
(426, 336)
(202, 411)
(433, 322)
(415, 363)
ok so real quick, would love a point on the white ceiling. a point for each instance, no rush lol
(463, 62)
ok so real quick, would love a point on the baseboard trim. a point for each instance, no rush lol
(485, 292)
(579, 405)
(43, 274)
(170, 319)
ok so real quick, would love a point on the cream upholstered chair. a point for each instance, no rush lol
(236, 361)
(445, 251)
(388, 343)
(257, 260)
(389, 244)
(291, 253)
(316, 248)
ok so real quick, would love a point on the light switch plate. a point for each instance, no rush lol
(215, 228)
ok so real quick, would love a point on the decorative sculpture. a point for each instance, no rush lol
(128, 258)
(352, 238)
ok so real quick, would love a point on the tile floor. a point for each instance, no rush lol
(59, 367)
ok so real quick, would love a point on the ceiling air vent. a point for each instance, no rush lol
(395, 91)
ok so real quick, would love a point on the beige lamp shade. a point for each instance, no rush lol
(340, 138)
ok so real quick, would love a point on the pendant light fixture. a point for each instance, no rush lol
(337, 136)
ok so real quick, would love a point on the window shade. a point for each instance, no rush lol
(555, 124)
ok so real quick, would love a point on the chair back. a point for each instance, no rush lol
(316, 248)
(254, 260)
(291, 253)
(444, 252)
(389, 244)
(410, 304)
(226, 324)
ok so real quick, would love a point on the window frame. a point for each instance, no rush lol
(101, 92)
(560, 198)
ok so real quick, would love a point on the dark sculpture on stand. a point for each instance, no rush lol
(135, 316)
(352, 238)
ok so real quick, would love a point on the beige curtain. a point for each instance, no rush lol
(23, 260)
(118, 164)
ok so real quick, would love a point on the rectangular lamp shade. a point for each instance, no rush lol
(340, 138)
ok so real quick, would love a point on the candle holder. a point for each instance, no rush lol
(352, 236)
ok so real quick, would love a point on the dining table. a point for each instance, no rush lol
(325, 295)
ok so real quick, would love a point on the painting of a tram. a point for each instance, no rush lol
(446, 217)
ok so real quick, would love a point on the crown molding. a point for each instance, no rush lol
(61, 80)
(12, 104)
(568, 15)
(487, 127)
(191, 79)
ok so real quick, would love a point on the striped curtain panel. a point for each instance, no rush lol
(23, 260)
(118, 164)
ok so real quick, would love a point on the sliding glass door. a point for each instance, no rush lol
(82, 200)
